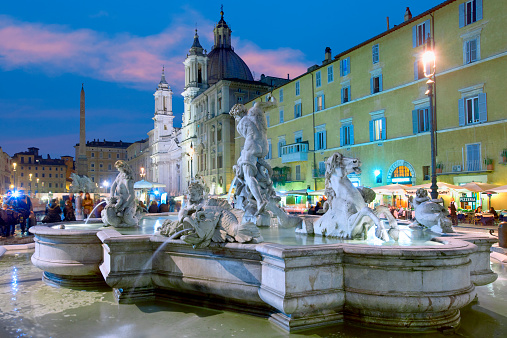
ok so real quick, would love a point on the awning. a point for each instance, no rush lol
(392, 189)
(147, 185)
(479, 187)
(500, 189)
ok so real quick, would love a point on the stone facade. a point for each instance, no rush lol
(5, 171)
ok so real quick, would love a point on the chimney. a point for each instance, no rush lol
(288, 78)
(327, 55)
(387, 20)
(408, 15)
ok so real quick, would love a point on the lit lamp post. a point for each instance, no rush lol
(143, 173)
(429, 72)
(106, 185)
(14, 165)
(191, 154)
(37, 187)
(30, 185)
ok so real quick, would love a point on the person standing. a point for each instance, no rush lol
(87, 205)
(454, 215)
(68, 212)
(79, 206)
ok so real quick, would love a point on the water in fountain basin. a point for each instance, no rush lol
(91, 213)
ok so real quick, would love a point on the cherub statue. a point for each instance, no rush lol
(431, 213)
(120, 209)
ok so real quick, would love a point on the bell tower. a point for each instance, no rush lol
(196, 66)
(163, 108)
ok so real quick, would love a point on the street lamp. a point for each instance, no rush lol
(14, 164)
(429, 72)
(143, 173)
(30, 183)
(37, 186)
(106, 185)
(191, 154)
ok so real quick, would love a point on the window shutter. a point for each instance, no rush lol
(380, 88)
(342, 131)
(325, 140)
(316, 140)
(461, 112)
(483, 109)
(270, 154)
(416, 70)
(350, 94)
(415, 121)
(341, 67)
(414, 36)
(351, 134)
(295, 110)
(371, 131)
(323, 102)
(478, 13)
(384, 131)
(349, 67)
(461, 15)
(467, 52)
(371, 85)
(342, 94)
(427, 29)
(316, 104)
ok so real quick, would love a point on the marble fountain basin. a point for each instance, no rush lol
(393, 287)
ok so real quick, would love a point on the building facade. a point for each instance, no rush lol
(5, 171)
(369, 102)
(214, 82)
(138, 157)
(35, 174)
(101, 157)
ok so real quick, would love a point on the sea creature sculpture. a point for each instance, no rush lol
(348, 215)
(431, 213)
(120, 209)
(207, 220)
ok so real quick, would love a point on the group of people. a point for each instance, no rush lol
(16, 209)
(156, 208)
(72, 208)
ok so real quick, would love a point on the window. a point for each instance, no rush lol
(219, 161)
(93, 154)
(297, 110)
(281, 143)
(374, 54)
(418, 69)
(61, 169)
(319, 103)
(330, 76)
(219, 104)
(378, 129)
(420, 33)
(322, 168)
(345, 67)
(281, 94)
(109, 167)
(61, 175)
(473, 157)
(297, 88)
(298, 173)
(50, 168)
(49, 175)
(50, 184)
(117, 155)
(470, 12)
(270, 154)
(426, 173)
(320, 138)
(36, 174)
(109, 155)
(219, 134)
(345, 94)
(473, 110)
(420, 120)
(43, 175)
(376, 84)
(22, 174)
(346, 135)
(100, 165)
(101, 155)
(267, 120)
(318, 81)
(281, 116)
(240, 99)
(298, 136)
(471, 52)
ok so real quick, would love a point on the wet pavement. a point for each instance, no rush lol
(30, 308)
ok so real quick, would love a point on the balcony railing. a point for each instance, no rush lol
(462, 167)
(295, 152)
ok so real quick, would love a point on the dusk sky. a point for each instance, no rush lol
(117, 49)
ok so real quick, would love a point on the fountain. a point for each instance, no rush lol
(214, 255)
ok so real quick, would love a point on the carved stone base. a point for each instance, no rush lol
(129, 296)
(297, 322)
(74, 281)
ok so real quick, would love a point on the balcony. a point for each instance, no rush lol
(462, 167)
(295, 152)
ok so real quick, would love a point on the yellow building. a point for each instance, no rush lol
(369, 102)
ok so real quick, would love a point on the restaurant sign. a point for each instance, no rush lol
(467, 199)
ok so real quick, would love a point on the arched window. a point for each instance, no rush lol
(402, 171)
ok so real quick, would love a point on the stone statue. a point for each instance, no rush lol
(81, 183)
(348, 215)
(254, 192)
(431, 213)
(120, 209)
(204, 221)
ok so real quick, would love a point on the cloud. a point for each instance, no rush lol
(100, 14)
(125, 58)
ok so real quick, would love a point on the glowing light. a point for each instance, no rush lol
(376, 172)
(429, 63)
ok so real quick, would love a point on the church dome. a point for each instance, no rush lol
(224, 63)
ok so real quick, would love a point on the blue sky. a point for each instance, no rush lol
(117, 49)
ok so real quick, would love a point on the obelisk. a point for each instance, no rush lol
(82, 165)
